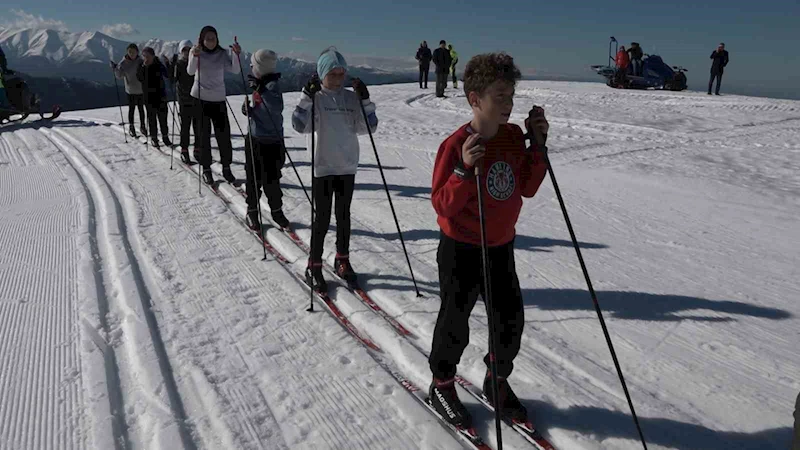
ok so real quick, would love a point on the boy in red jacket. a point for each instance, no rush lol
(510, 171)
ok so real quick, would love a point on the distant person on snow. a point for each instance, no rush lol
(208, 64)
(183, 82)
(511, 172)
(424, 57)
(441, 57)
(454, 61)
(636, 55)
(126, 70)
(151, 74)
(3, 69)
(622, 65)
(339, 121)
(720, 60)
(263, 170)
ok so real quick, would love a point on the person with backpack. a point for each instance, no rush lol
(126, 70)
(208, 64)
(182, 83)
(424, 57)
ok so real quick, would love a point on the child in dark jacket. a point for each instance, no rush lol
(265, 161)
(511, 172)
(183, 82)
(151, 74)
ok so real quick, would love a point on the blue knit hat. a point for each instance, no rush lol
(329, 60)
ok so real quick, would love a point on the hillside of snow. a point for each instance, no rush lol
(136, 310)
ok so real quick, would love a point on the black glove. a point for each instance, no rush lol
(313, 86)
(246, 107)
(360, 88)
(113, 64)
(254, 83)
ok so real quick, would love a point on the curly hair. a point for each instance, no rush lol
(483, 70)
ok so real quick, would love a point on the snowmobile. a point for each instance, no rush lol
(22, 101)
(656, 73)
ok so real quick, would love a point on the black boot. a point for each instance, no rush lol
(344, 269)
(185, 157)
(196, 153)
(155, 143)
(314, 277)
(208, 178)
(279, 218)
(143, 129)
(510, 405)
(444, 399)
(228, 175)
(132, 132)
(252, 220)
(167, 142)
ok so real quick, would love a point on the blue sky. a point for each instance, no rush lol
(559, 37)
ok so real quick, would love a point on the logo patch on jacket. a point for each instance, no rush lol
(500, 181)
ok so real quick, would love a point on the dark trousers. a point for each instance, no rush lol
(441, 83)
(460, 283)
(265, 165)
(453, 71)
(325, 189)
(216, 113)
(188, 120)
(718, 76)
(423, 75)
(636, 65)
(157, 115)
(796, 444)
(136, 101)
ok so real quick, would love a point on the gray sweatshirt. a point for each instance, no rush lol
(126, 70)
(210, 67)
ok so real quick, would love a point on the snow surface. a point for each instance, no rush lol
(135, 313)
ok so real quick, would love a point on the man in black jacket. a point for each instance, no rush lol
(720, 60)
(424, 57)
(182, 82)
(151, 74)
(442, 59)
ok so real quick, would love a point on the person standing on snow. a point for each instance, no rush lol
(441, 57)
(424, 57)
(151, 74)
(454, 59)
(126, 71)
(720, 57)
(636, 55)
(339, 121)
(208, 64)
(511, 173)
(183, 82)
(263, 166)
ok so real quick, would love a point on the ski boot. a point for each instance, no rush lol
(143, 129)
(196, 153)
(167, 142)
(510, 406)
(132, 132)
(343, 268)
(314, 277)
(155, 143)
(444, 399)
(228, 175)
(208, 178)
(280, 218)
(252, 220)
(185, 156)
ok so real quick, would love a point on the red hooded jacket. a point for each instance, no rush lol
(510, 173)
(623, 60)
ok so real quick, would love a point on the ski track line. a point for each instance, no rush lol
(127, 288)
(319, 385)
(42, 397)
(112, 387)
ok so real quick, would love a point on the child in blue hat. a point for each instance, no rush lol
(339, 120)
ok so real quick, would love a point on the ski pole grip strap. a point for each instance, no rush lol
(461, 171)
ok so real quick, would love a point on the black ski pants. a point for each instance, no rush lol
(265, 165)
(441, 83)
(216, 113)
(325, 189)
(188, 120)
(136, 101)
(423, 75)
(157, 115)
(460, 283)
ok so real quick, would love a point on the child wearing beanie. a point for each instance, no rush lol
(339, 120)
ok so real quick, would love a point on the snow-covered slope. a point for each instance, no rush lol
(685, 206)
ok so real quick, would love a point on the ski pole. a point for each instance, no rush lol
(202, 125)
(119, 103)
(592, 293)
(386, 187)
(172, 151)
(313, 181)
(257, 191)
(487, 298)
(286, 152)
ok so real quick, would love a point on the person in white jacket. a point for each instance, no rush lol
(208, 65)
(338, 120)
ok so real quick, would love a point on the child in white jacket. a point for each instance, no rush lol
(338, 121)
